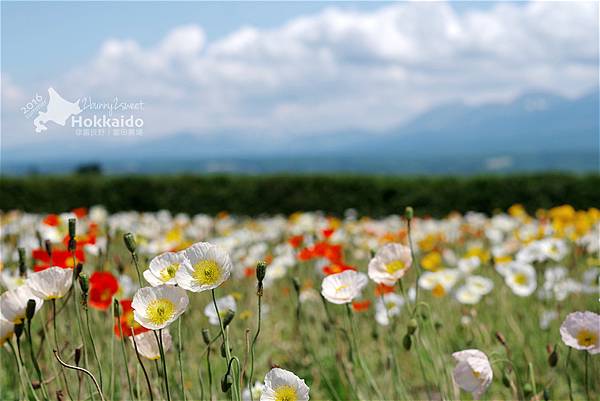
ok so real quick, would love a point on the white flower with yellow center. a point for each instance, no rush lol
(12, 279)
(521, 279)
(162, 269)
(479, 284)
(52, 283)
(157, 307)
(147, 345)
(283, 385)
(581, 330)
(389, 264)
(224, 304)
(439, 282)
(13, 303)
(387, 306)
(342, 288)
(204, 267)
(473, 372)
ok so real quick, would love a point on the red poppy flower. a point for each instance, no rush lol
(249, 272)
(296, 240)
(336, 268)
(328, 232)
(361, 306)
(126, 321)
(103, 286)
(80, 212)
(383, 289)
(60, 257)
(51, 220)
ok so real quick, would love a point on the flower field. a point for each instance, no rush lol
(160, 306)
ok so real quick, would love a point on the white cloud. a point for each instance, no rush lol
(342, 69)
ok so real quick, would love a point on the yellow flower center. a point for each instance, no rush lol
(521, 279)
(438, 291)
(341, 288)
(285, 393)
(476, 374)
(168, 272)
(160, 311)
(394, 266)
(207, 272)
(586, 338)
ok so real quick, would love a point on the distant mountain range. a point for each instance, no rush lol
(534, 132)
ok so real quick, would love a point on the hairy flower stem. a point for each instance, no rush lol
(225, 337)
(586, 379)
(399, 387)
(164, 363)
(143, 367)
(124, 352)
(251, 378)
(62, 371)
(36, 366)
(179, 352)
(21, 368)
(87, 372)
(357, 353)
(210, 389)
(91, 337)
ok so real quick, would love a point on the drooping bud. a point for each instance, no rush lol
(296, 284)
(412, 326)
(130, 242)
(407, 342)
(30, 310)
(206, 336)
(48, 247)
(116, 307)
(408, 213)
(500, 337)
(546, 395)
(35, 384)
(19, 329)
(22, 266)
(438, 325)
(527, 390)
(229, 315)
(226, 382)
(223, 351)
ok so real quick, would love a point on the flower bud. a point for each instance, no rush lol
(407, 342)
(223, 351)
(226, 382)
(19, 329)
(206, 336)
(261, 270)
(30, 310)
(229, 315)
(527, 390)
(412, 326)
(72, 227)
(60, 395)
(116, 307)
(546, 394)
(296, 284)
(77, 270)
(48, 247)
(130, 242)
(500, 337)
(22, 266)
(438, 325)
(77, 355)
(35, 384)
(553, 358)
(84, 283)
(408, 213)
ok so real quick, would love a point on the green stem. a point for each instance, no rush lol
(36, 366)
(225, 343)
(21, 368)
(164, 363)
(586, 377)
(124, 352)
(179, 349)
(62, 371)
(251, 379)
(210, 389)
(87, 372)
(91, 337)
(142, 365)
(568, 374)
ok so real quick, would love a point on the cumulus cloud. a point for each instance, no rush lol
(343, 69)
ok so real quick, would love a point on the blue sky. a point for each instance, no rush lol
(293, 68)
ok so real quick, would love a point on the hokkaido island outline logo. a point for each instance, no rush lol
(101, 118)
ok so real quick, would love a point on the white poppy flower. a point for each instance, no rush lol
(281, 384)
(157, 307)
(13, 303)
(204, 267)
(253, 393)
(389, 264)
(480, 285)
(581, 330)
(467, 265)
(147, 345)
(466, 295)
(12, 279)
(389, 306)
(6, 330)
(162, 268)
(224, 303)
(342, 288)
(51, 283)
(439, 282)
(521, 279)
(473, 372)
